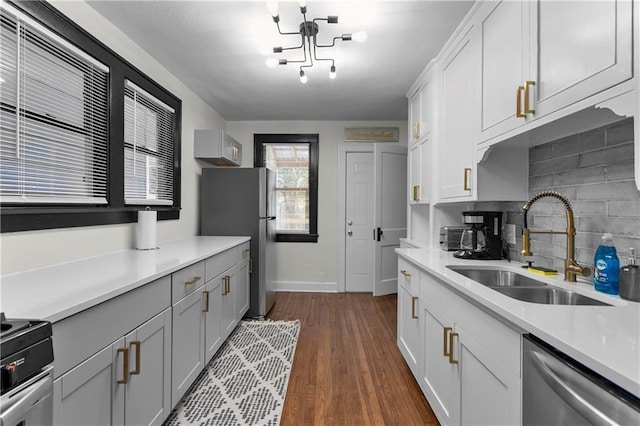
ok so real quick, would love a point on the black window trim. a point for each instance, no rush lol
(15, 218)
(259, 139)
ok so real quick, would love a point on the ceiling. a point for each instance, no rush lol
(219, 50)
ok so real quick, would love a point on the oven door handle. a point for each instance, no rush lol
(33, 393)
(575, 390)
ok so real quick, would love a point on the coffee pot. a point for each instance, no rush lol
(483, 238)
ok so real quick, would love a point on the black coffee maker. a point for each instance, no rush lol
(483, 239)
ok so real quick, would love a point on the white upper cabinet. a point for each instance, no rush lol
(459, 118)
(540, 57)
(217, 147)
(505, 63)
(420, 113)
(578, 49)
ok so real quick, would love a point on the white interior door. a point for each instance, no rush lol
(390, 214)
(359, 222)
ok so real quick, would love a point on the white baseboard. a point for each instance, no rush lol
(385, 288)
(307, 286)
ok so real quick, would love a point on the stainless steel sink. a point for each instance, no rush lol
(522, 287)
(497, 277)
(549, 296)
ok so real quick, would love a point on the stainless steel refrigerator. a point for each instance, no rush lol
(241, 201)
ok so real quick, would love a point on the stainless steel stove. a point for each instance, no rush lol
(26, 373)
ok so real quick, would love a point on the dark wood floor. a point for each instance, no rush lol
(347, 368)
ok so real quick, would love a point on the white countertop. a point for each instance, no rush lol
(56, 292)
(604, 338)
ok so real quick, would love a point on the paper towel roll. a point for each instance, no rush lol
(146, 230)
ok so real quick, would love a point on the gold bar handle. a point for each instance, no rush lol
(451, 359)
(228, 284)
(125, 366)
(416, 192)
(224, 285)
(206, 303)
(445, 351)
(136, 343)
(234, 154)
(193, 280)
(244, 252)
(250, 266)
(467, 173)
(405, 273)
(417, 130)
(527, 84)
(519, 102)
(413, 307)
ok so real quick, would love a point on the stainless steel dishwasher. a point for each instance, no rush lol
(557, 390)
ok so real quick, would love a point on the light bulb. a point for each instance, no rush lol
(303, 77)
(359, 36)
(272, 62)
(332, 73)
(272, 5)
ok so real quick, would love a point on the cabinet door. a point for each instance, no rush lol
(504, 42)
(415, 104)
(89, 393)
(187, 358)
(579, 49)
(460, 113)
(489, 392)
(148, 393)
(242, 289)
(229, 291)
(439, 377)
(213, 317)
(409, 327)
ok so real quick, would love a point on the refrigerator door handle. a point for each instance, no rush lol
(267, 217)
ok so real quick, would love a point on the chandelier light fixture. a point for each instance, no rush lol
(308, 32)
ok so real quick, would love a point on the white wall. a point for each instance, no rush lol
(308, 266)
(27, 250)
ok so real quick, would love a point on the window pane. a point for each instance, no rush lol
(291, 165)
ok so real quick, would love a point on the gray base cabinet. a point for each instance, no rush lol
(129, 360)
(126, 383)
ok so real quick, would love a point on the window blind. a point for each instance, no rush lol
(149, 141)
(53, 117)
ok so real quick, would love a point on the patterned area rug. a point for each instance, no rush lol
(245, 383)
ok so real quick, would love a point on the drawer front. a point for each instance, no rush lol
(408, 276)
(244, 251)
(186, 281)
(215, 265)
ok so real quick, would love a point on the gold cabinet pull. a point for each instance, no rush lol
(527, 84)
(244, 252)
(519, 102)
(416, 130)
(416, 192)
(405, 273)
(224, 285)
(234, 153)
(451, 359)
(467, 173)
(250, 266)
(125, 366)
(228, 284)
(413, 307)
(136, 343)
(206, 303)
(445, 351)
(193, 280)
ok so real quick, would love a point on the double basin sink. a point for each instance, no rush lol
(524, 288)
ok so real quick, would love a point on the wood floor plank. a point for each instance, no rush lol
(347, 369)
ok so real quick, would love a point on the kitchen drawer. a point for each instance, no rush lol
(80, 336)
(244, 251)
(408, 277)
(186, 281)
(497, 338)
(215, 265)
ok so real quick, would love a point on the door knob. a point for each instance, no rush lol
(350, 232)
(349, 223)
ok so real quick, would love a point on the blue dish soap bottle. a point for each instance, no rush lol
(606, 276)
